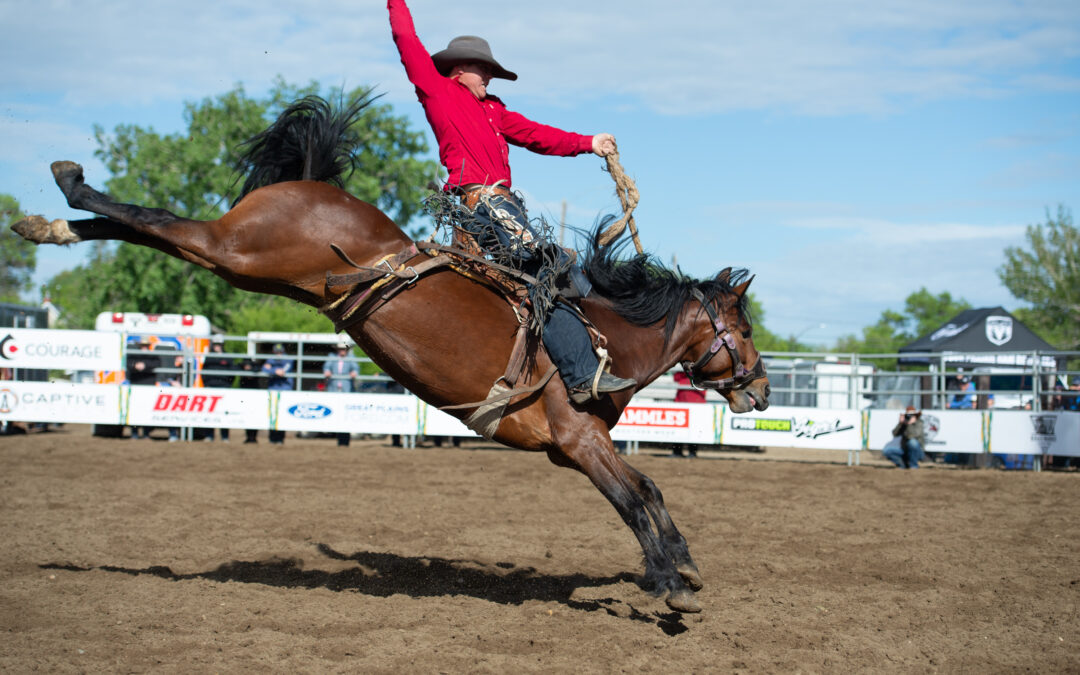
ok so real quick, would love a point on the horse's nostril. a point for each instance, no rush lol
(767, 391)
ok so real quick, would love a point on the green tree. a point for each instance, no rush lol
(274, 313)
(1046, 275)
(191, 174)
(18, 257)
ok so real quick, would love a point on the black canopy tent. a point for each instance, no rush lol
(981, 342)
(981, 337)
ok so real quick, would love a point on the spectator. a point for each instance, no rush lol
(223, 379)
(392, 387)
(1073, 402)
(173, 379)
(341, 372)
(912, 440)
(141, 371)
(686, 394)
(249, 379)
(1057, 400)
(965, 400)
(1070, 403)
(277, 369)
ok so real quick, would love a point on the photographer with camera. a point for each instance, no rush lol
(912, 439)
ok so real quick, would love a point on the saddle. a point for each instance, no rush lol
(372, 286)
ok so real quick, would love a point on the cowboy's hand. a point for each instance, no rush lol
(603, 144)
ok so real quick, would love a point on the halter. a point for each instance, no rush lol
(724, 340)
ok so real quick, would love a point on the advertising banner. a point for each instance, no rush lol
(59, 349)
(195, 407)
(793, 428)
(338, 412)
(71, 403)
(953, 431)
(1023, 432)
(667, 423)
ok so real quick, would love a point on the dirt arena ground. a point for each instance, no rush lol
(148, 556)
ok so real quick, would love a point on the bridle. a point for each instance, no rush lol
(741, 376)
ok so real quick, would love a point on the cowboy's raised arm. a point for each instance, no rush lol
(548, 140)
(542, 138)
(418, 66)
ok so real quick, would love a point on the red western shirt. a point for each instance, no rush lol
(472, 134)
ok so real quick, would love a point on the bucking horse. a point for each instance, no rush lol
(448, 336)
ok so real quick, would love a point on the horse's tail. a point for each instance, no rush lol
(310, 140)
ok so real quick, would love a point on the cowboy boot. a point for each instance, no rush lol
(608, 383)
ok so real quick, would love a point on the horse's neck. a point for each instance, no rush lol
(637, 351)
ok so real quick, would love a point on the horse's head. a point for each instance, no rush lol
(721, 353)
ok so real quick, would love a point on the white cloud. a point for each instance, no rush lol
(879, 231)
(846, 261)
(848, 282)
(701, 56)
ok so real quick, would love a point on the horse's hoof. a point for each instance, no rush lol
(41, 231)
(683, 600)
(68, 176)
(65, 169)
(689, 573)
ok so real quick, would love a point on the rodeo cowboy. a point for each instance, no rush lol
(473, 129)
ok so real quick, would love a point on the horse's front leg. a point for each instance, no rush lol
(593, 454)
(673, 540)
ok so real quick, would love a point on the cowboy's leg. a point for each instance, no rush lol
(569, 346)
(565, 337)
(502, 227)
(503, 222)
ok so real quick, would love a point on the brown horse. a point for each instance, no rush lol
(448, 338)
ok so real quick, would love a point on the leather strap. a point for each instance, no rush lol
(388, 265)
(540, 384)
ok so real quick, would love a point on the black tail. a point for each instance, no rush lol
(310, 140)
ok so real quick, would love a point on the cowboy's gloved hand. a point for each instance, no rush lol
(603, 144)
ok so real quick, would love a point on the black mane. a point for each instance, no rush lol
(310, 140)
(643, 291)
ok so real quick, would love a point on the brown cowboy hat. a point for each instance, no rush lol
(465, 48)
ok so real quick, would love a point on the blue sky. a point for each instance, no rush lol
(847, 152)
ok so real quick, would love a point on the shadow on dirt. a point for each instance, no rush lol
(385, 574)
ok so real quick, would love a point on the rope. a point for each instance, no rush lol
(628, 197)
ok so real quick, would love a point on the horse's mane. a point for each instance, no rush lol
(310, 140)
(643, 291)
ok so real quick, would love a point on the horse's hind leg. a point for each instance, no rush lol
(186, 239)
(125, 222)
(42, 231)
(79, 195)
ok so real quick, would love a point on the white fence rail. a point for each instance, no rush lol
(648, 419)
(951, 431)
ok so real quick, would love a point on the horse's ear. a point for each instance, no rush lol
(740, 290)
(724, 274)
